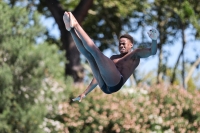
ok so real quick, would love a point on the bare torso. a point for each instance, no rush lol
(125, 64)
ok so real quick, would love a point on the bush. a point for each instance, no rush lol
(32, 82)
(134, 110)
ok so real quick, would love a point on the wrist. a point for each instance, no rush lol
(84, 94)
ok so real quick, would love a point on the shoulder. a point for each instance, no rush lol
(135, 53)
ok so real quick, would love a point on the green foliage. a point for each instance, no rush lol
(185, 11)
(155, 109)
(191, 85)
(171, 19)
(69, 4)
(31, 75)
(108, 19)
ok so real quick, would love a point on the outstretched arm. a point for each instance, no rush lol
(146, 52)
(91, 86)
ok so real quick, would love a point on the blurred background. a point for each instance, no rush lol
(41, 69)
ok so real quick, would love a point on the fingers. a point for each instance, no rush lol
(153, 33)
(76, 99)
(79, 98)
(148, 33)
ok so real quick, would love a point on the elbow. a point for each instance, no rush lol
(153, 52)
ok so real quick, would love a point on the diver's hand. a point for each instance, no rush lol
(79, 98)
(153, 34)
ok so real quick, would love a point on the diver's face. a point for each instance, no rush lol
(125, 45)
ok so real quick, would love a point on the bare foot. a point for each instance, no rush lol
(66, 19)
(73, 22)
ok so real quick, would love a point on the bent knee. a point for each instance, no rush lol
(105, 89)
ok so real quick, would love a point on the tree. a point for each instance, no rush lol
(98, 21)
(73, 67)
(191, 71)
(28, 78)
(56, 9)
(187, 14)
(172, 19)
(157, 15)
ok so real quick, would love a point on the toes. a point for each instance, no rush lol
(73, 20)
(66, 20)
(66, 16)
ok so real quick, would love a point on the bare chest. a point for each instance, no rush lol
(126, 66)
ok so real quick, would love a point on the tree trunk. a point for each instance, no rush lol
(135, 78)
(160, 57)
(183, 62)
(191, 71)
(73, 67)
(162, 29)
(176, 65)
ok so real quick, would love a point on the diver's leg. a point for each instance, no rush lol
(88, 56)
(107, 68)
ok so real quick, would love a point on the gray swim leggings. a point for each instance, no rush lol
(108, 90)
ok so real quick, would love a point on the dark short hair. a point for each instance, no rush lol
(129, 37)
